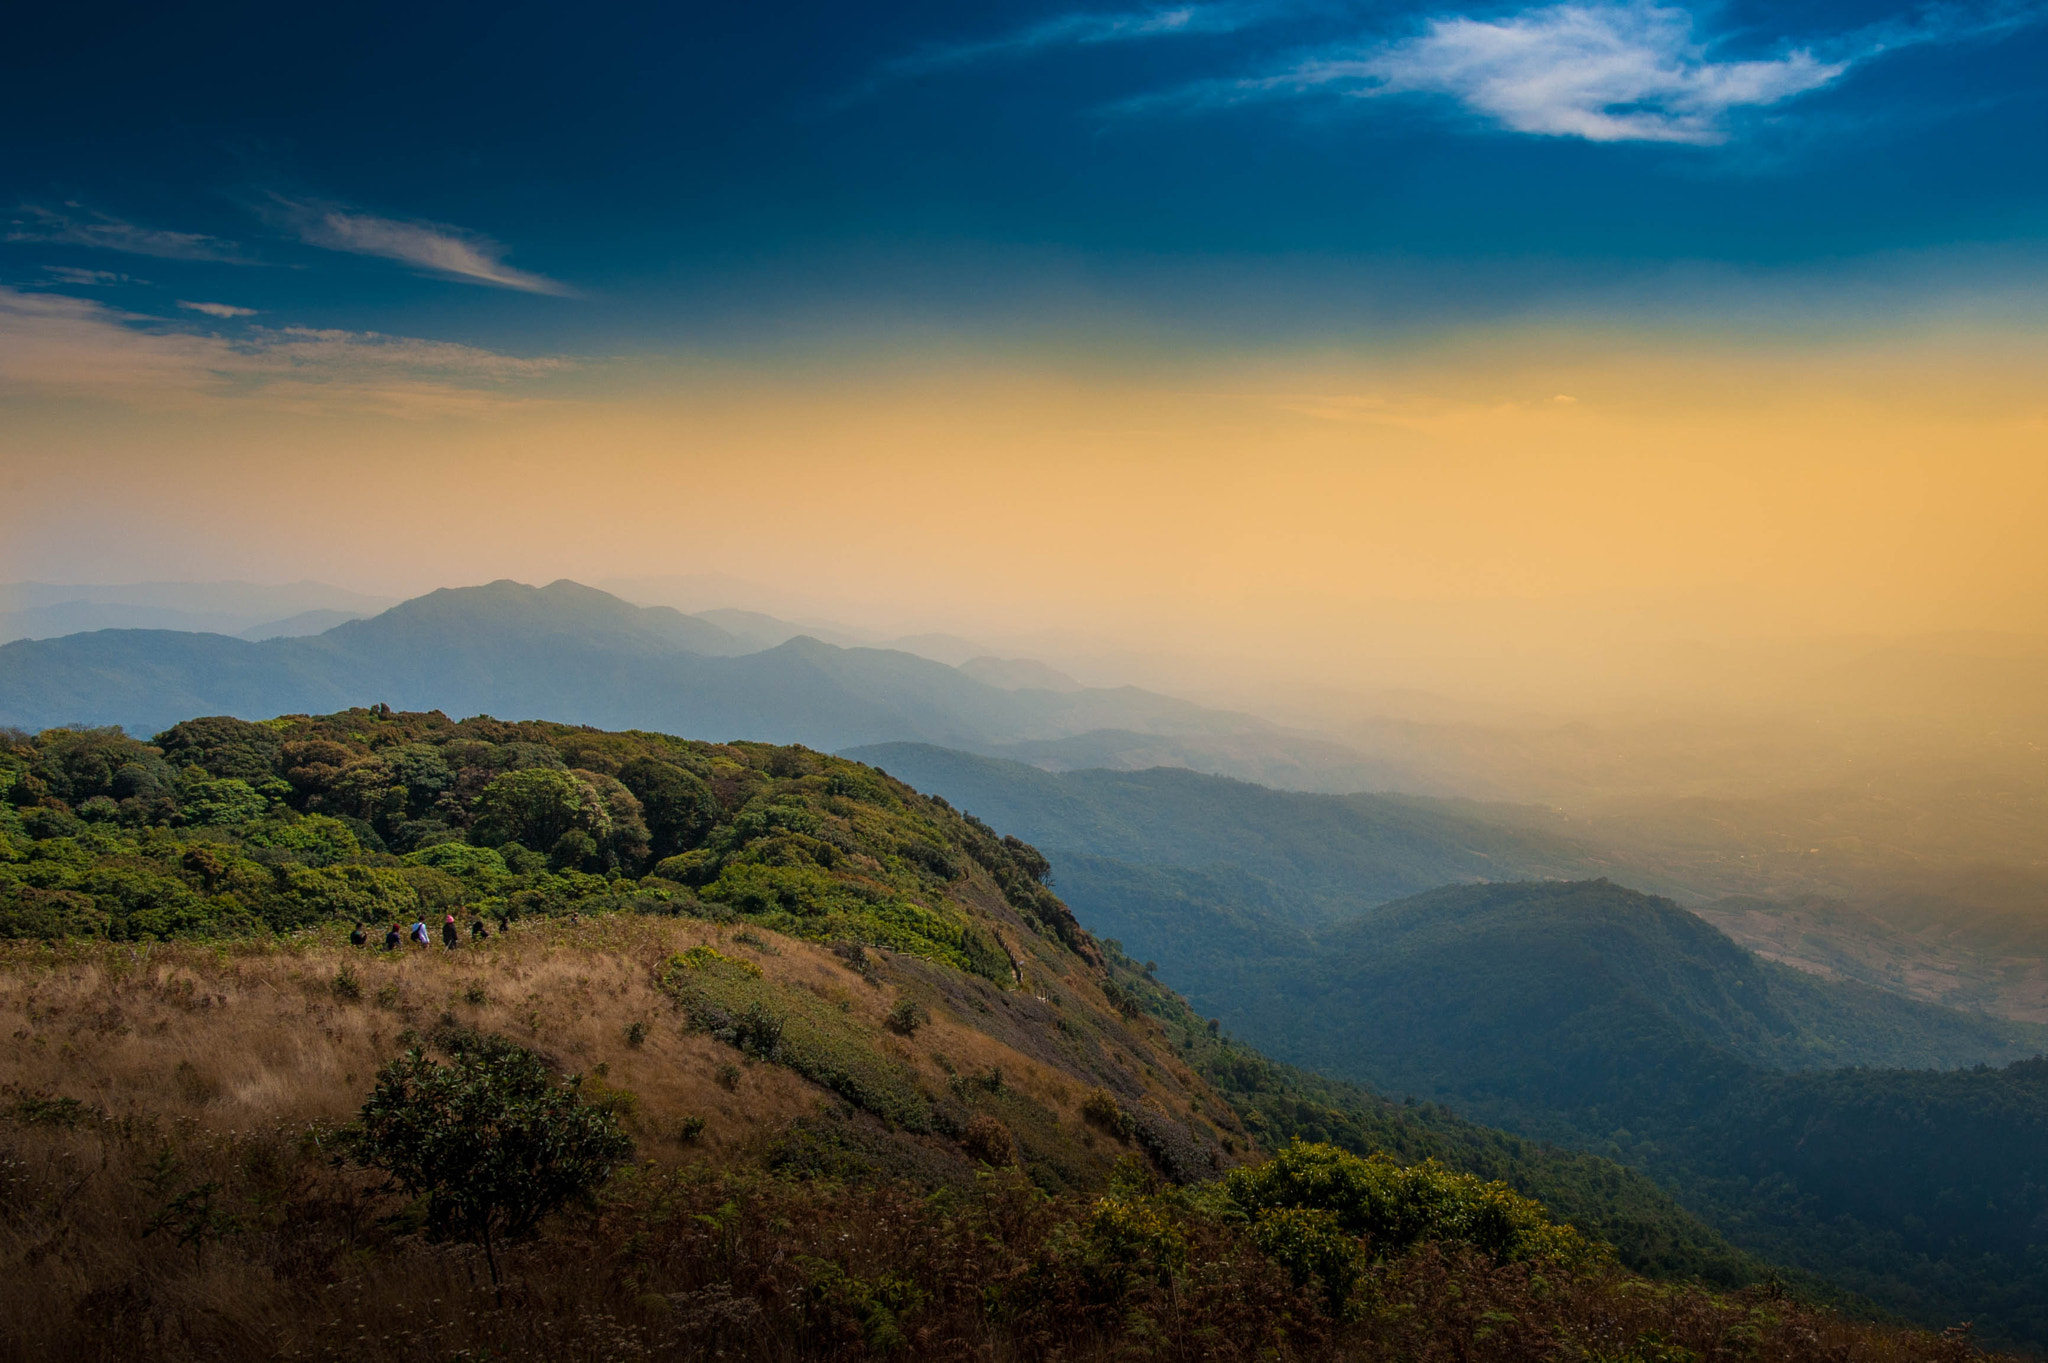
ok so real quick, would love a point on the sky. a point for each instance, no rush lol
(1251, 321)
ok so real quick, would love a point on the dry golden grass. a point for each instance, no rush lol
(238, 1037)
(244, 1036)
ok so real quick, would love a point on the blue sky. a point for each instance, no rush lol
(602, 180)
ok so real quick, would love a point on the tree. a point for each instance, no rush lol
(491, 1141)
(535, 807)
(680, 809)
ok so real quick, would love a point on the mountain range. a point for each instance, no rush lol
(584, 656)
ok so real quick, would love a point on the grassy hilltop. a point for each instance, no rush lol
(885, 1095)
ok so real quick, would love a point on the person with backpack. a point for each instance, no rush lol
(357, 937)
(477, 931)
(419, 933)
(450, 936)
(392, 939)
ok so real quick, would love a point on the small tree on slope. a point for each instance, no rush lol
(489, 1139)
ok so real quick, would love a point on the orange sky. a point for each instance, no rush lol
(1282, 499)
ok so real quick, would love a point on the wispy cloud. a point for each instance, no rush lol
(57, 345)
(1081, 28)
(75, 225)
(1607, 71)
(438, 247)
(223, 310)
(70, 274)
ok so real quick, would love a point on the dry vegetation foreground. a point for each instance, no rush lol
(170, 1184)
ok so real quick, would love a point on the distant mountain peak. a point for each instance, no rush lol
(1019, 674)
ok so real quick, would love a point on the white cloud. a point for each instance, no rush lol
(57, 345)
(431, 246)
(75, 225)
(1082, 29)
(1604, 72)
(218, 309)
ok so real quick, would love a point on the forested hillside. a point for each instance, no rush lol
(1616, 1023)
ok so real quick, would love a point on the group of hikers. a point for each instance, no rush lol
(451, 936)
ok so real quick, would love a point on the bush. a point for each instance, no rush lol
(1100, 1108)
(490, 1140)
(989, 1141)
(1394, 1206)
(1311, 1245)
(906, 1017)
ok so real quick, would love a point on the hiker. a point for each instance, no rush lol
(392, 939)
(357, 937)
(419, 933)
(449, 935)
(477, 931)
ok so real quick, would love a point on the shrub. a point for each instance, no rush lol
(1100, 1108)
(1311, 1245)
(906, 1017)
(1130, 1238)
(347, 984)
(490, 1140)
(708, 958)
(989, 1141)
(1395, 1206)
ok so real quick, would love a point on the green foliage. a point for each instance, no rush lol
(226, 802)
(906, 1017)
(704, 957)
(483, 867)
(678, 806)
(345, 894)
(1124, 1242)
(489, 1140)
(314, 839)
(1394, 1206)
(1651, 1232)
(537, 808)
(224, 827)
(1101, 1108)
(792, 1027)
(871, 1310)
(1313, 1246)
